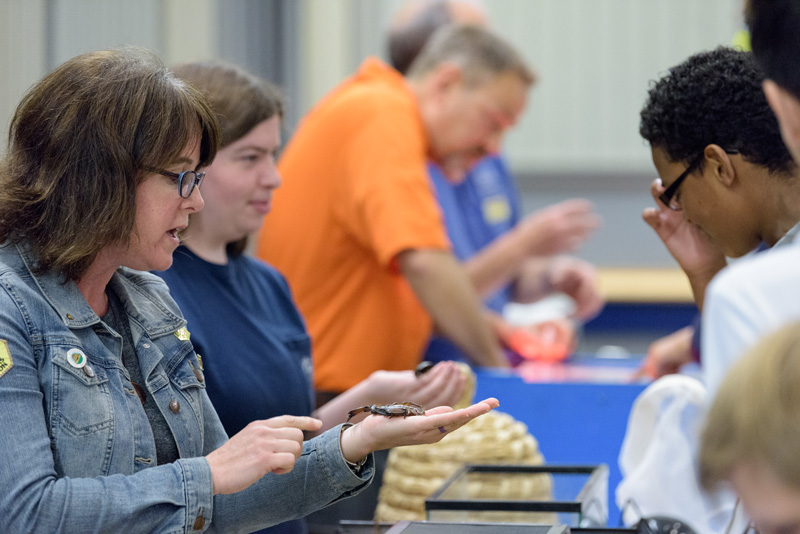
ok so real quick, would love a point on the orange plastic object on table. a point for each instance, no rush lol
(551, 341)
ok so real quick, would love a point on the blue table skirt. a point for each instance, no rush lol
(578, 410)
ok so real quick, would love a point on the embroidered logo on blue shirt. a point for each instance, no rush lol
(496, 209)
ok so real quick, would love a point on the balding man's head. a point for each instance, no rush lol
(471, 86)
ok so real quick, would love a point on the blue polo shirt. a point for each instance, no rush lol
(476, 211)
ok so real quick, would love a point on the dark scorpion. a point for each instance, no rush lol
(395, 409)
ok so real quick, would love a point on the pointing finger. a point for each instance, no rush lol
(295, 421)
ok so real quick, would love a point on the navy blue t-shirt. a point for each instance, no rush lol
(253, 342)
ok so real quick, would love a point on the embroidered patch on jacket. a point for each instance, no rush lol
(182, 334)
(6, 362)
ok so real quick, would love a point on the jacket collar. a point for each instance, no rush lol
(151, 314)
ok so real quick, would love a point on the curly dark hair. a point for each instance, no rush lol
(714, 97)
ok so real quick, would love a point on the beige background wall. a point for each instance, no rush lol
(579, 135)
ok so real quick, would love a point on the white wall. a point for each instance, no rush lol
(38, 35)
(22, 54)
(594, 57)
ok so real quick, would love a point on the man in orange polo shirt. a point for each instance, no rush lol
(356, 228)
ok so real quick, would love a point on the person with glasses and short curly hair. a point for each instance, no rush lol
(727, 185)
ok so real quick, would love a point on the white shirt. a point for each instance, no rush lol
(746, 301)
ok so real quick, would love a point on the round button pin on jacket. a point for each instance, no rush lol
(76, 358)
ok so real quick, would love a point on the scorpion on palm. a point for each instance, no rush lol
(395, 409)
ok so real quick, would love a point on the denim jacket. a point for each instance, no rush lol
(76, 450)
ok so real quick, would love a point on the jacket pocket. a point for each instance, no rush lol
(187, 420)
(186, 379)
(81, 416)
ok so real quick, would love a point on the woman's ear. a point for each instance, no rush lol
(720, 164)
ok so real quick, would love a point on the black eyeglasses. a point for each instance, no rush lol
(667, 197)
(187, 180)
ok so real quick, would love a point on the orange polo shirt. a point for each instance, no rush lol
(355, 193)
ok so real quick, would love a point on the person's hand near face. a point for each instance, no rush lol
(692, 248)
(696, 252)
